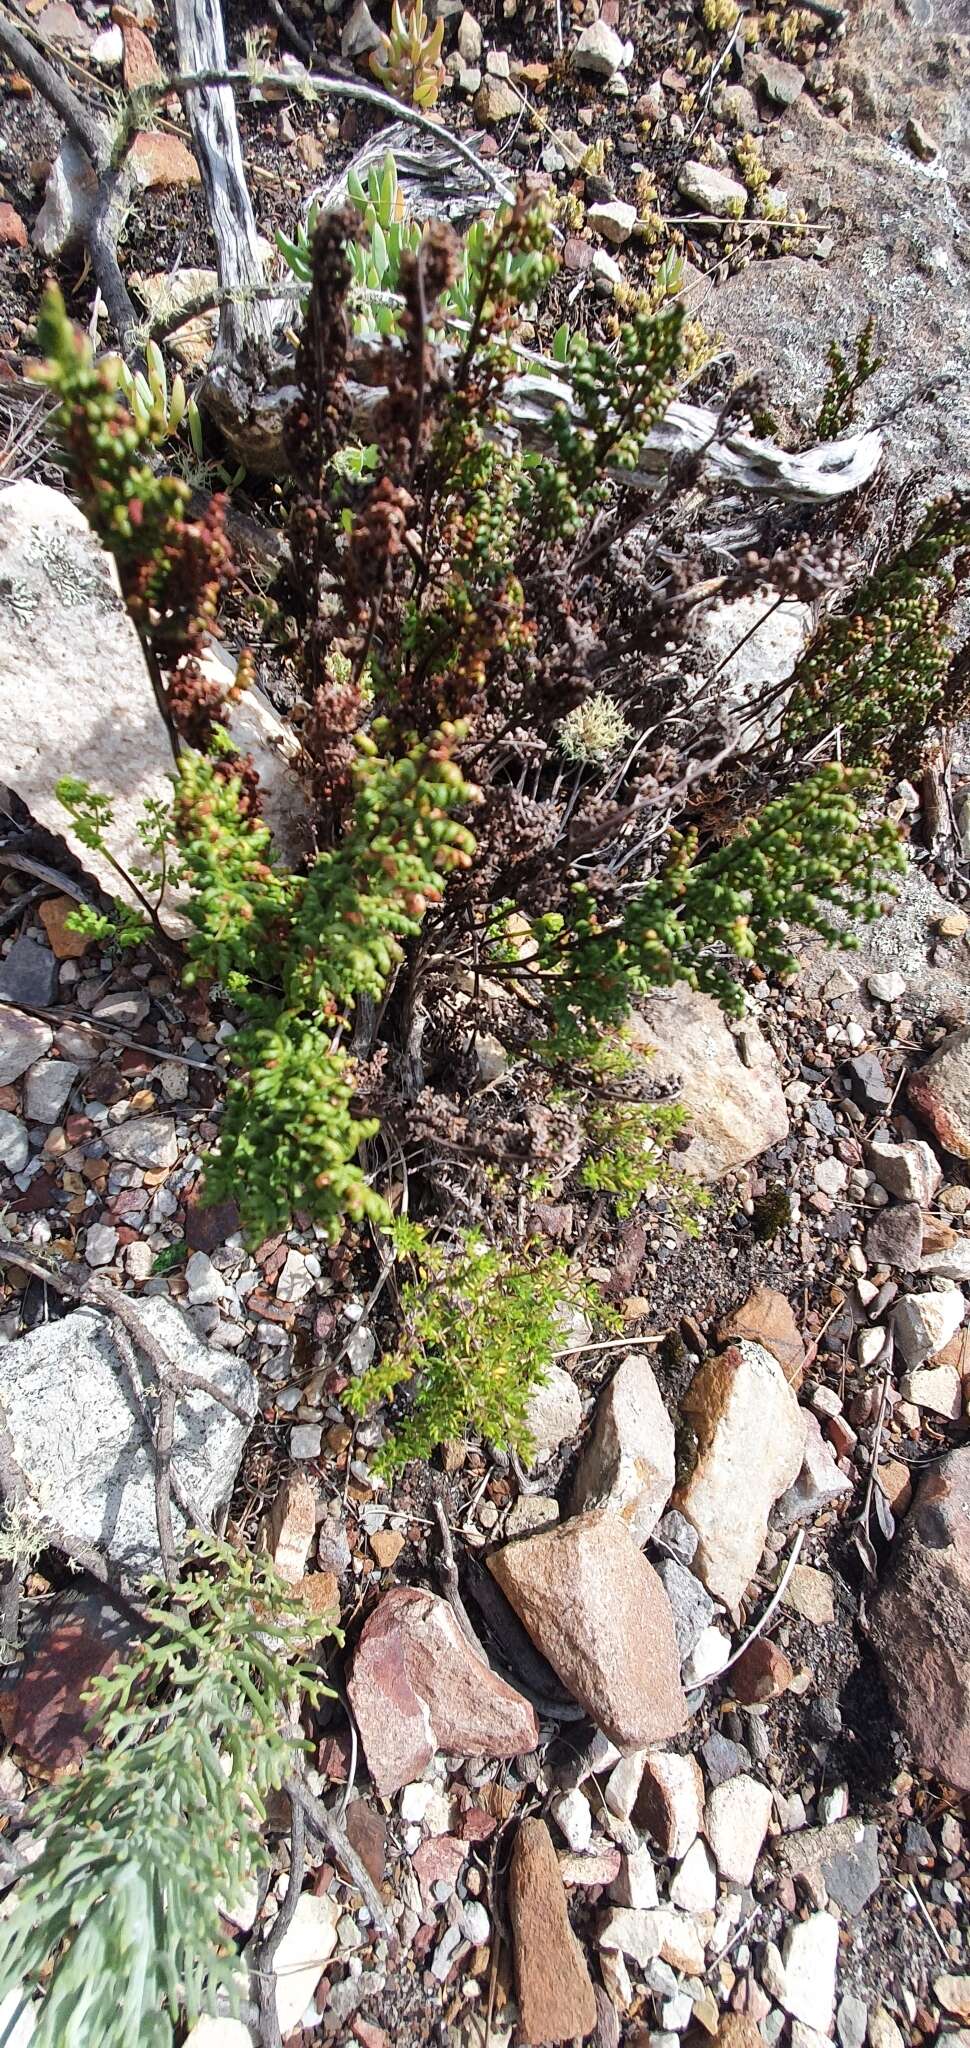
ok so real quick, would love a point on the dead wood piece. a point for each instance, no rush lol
(107, 216)
(247, 324)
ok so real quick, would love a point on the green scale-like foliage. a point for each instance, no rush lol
(881, 673)
(480, 1328)
(808, 851)
(289, 1135)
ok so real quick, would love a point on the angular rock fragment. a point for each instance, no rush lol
(811, 1954)
(147, 1141)
(924, 1323)
(819, 1484)
(910, 1171)
(939, 1091)
(761, 1673)
(554, 1412)
(921, 1622)
(841, 1861)
(416, 1686)
(751, 1441)
(895, 1237)
(23, 1040)
(597, 1611)
(735, 1822)
(629, 1462)
(712, 191)
(739, 1117)
(766, 1318)
(74, 686)
(555, 1993)
(599, 51)
(290, 1527)
(671, 1801)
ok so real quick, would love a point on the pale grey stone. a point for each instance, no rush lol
(629, 1462)
(75, 690)
(612, 219)
(554, 1413)
(23, 1040)
(712, 191)
(14, 1142)
(147, 1141)
(65, 215)
(600, 51)
(47, 1090)
(811, 1954)
(924, 1323)
(754, 642)
(735, 1106)
(100, 1244)
(84, 1445)
(306, 1441)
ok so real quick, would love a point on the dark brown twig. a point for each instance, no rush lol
(106, 217)
(324, 1825)
(261, 1966)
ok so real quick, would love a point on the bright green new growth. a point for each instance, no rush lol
(481, 1325)
(629, 1157)
(804, 854)
(387, 233)
(881, 672)
(162, 1826)
(297, 951)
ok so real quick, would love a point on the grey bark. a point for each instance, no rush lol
(245, 327)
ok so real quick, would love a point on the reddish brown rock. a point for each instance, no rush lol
(289, 1528)
(367, 1834)
(940, 1091)
(417, 1686)
(438, 1861)
(46, 1715)
(320, 1592)
(599, 1614)
(766, 1318)
(13, 234)
(64, 944)
(761, 1673)
(162, 162)
(139, 64)
(896, 1482)
(738, 2030)
(207, 1225)
(921, 1622)
(555, 1994)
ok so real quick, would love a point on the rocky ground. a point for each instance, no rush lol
(711, 1782)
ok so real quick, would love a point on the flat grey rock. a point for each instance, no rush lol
(28, 974)
(83, 1442)
(22, 1041)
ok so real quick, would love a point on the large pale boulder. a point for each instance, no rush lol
(76, 696)
(751, 1439)
(599, 1614)
(736, 1108)
(629, 1462)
